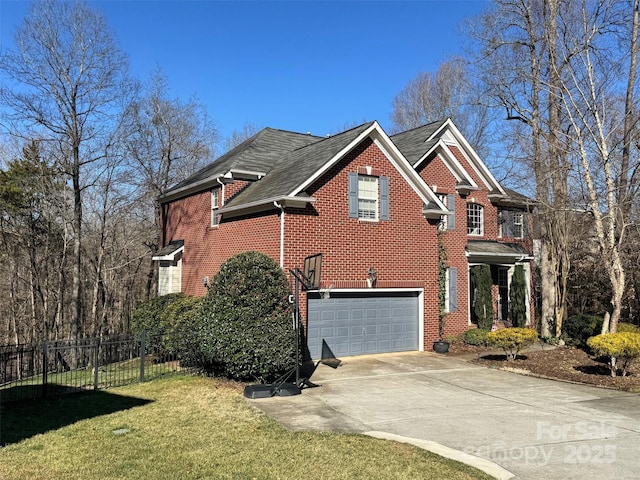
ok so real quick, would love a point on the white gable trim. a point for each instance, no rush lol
(400, 163)
(474, 160)
(450, 161)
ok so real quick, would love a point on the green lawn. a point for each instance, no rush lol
(184, 427)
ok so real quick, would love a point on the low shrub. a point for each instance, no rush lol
(475, 336)
(627, 327)
(148, 315)
(622, 348)
(184, 328)
(577, 329)
(512, 340)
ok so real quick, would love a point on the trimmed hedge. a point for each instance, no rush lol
(512, 340)
(475, 336)
(247, 331)
(622, 348)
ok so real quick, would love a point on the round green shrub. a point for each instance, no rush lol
(248, 329)
(475, 336)
(512, 340)
(578, 328)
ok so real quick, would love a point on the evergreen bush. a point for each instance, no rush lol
(577, 329)
(475, 336)
(518, 298)
(512, 340)
(183, 334)
(482, 299)
(622, 348)
(148, 315)
(247, 330)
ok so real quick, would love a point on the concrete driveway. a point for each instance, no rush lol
(507, 424)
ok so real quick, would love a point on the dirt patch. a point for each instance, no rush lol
(563, 363)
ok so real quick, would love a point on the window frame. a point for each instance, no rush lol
(215, 206)
(518, 226)
(373, 198)
(443, 224)
(475, 219)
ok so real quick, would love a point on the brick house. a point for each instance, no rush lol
(373, 206)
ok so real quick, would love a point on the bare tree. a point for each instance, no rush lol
(447, 93)
(557, 66)
(69, 78)
(515, 55)
(601, 128)
(248, 130)
(168, 140)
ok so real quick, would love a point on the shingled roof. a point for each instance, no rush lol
(256, 154)
(291, 170)
(415, 143)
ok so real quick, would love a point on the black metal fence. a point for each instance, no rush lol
(54, 368)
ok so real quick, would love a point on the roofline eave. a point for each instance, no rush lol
(283, 200)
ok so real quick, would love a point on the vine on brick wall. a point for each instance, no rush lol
(442, 284)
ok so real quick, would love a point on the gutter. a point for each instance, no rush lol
(282, 200)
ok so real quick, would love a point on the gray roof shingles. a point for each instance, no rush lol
(293, 169)
(257, 154)
(415, 143)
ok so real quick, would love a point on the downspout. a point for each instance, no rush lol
(279, 205)
(222, 196)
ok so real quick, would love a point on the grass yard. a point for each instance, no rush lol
(184, 427)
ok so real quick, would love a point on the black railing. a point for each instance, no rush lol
(53, 368)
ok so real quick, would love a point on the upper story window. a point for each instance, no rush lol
(215, 206)
(444, 219)
(511, 223)
(368, 197)
(475, 219)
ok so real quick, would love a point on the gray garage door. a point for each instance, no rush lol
(358, 324)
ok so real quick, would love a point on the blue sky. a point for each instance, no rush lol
(304, 66)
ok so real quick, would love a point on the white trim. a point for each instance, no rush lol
(295, 201)
(171, 257)
(395, 157)
(450, 161)
(474, 160)
(334, 159)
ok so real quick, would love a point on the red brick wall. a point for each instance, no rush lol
(436, 174)
(206, 247)
(401, 250)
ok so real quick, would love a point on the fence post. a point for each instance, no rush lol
(45, 363)
(142, 350)
(96, 359)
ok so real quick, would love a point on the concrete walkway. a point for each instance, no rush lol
(509, 425)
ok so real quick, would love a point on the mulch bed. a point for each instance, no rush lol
(562, 363)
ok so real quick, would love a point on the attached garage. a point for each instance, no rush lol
(363, 322)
